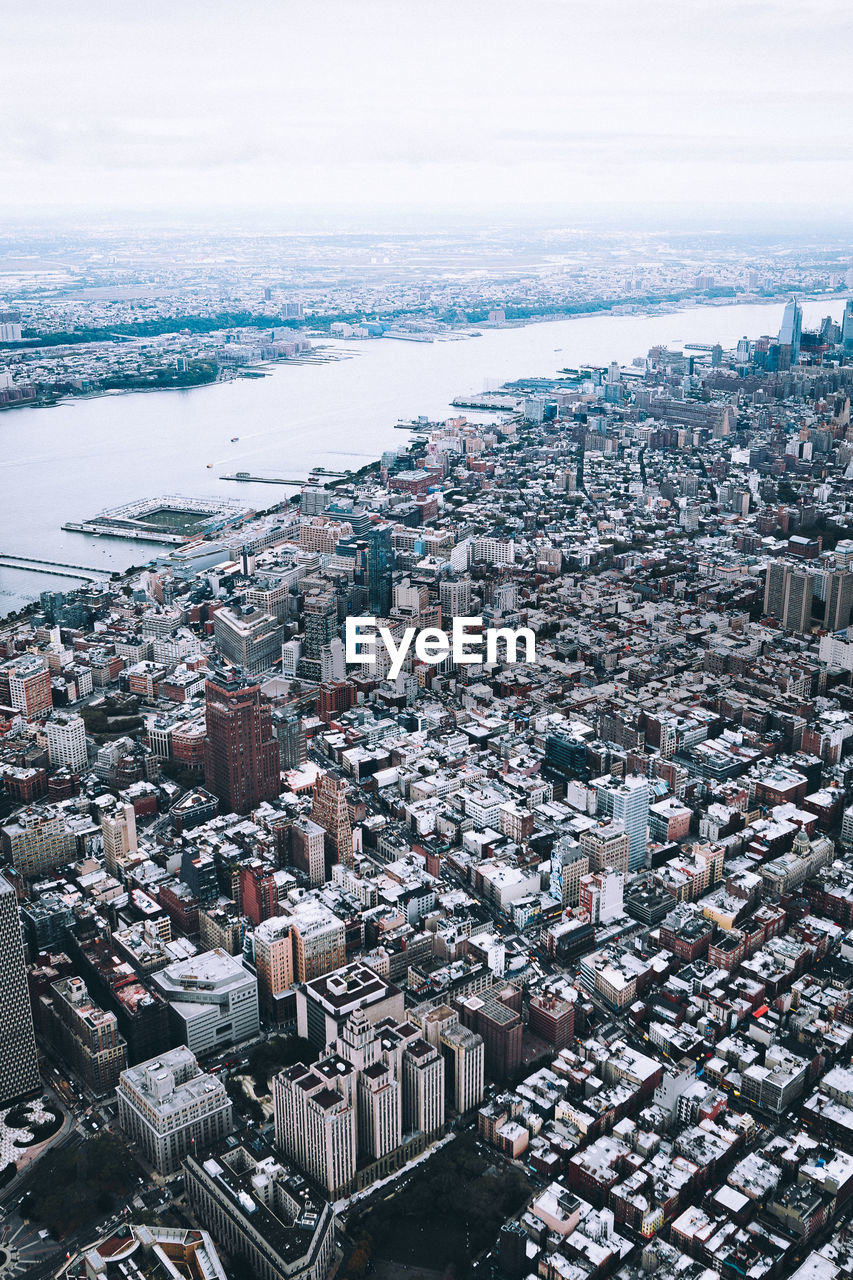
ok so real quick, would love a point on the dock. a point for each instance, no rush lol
(57, 568)
(243, 477)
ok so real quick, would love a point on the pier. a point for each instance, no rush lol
(57, 568)
(243, 477)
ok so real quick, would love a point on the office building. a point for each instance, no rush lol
(380, 564)
(324, 1004)
(464, 1056)
(248, 638)
(85, 1036)
(262, 1211)
(119, 834)
(169, 1106)
(240, 752)
(38, 841)
(607, 845)
(378, 1099)
(839, 600)
(626, 802)
(66, 741)
(19, 1071)
(788, 594)
(213, 1000)
(329, 810)
(791, 331)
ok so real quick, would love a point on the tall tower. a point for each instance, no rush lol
(839, 600)
(240, 752)
(19, 1071)
(119, 832)
(791, 332)
(380, 564)
(329, 809)
(626, 801)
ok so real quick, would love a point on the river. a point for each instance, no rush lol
(74, 459)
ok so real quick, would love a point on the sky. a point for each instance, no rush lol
(198, 105)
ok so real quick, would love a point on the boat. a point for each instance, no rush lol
(210, 466)
(234, 439)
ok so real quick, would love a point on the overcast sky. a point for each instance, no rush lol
(347, 103)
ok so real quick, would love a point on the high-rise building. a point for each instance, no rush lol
(213, 1000)
(258, 891)
(248, 638)
(601, 894)
(839, 600)
(324, 1004)
(274, 965)
(380, 566)
(626, 801)
(455, 599)
(568, 864)
(788, 593)
(423, 1089)
(240, 752)
(319, 936)
(308, 849)
(791, 331)
(321, 624)
(847, 325)
(607, 845)
(38, 840)
(464, 1056)
(85, 1036)
(119, 834)
(19, 1071)
(329, 810)
(66, 741)
(381, 1087)
(25, 686)
(169, 1107)
(316, 1124)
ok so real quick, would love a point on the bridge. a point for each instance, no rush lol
(58, 568)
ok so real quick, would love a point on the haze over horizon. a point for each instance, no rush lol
(405, 106)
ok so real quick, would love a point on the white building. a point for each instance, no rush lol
(213, 1000)
(66, 741)
(168, 1105)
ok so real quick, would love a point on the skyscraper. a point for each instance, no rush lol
(839, 600)
(240, 752)
(847, 326)
(329, 809)
(19, 1071)
(788, 593)
(626, 801)
(119, 834)
(791, 332)
(379, 569)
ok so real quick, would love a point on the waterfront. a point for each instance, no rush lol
(70, 461)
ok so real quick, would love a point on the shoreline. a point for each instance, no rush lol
(669, 308)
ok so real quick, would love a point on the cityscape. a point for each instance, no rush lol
(426, 681)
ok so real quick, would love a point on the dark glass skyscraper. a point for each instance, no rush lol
(19, 1072)
(240, 753)
(380, 564)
